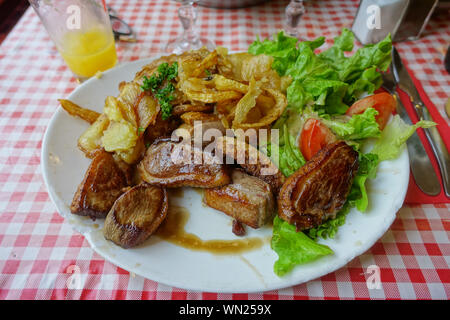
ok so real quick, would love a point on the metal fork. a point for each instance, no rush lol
(421, 167)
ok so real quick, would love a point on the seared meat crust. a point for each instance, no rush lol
(319, 189)
(248, 199)
(102, 185)
(255, 162)
(158, 166)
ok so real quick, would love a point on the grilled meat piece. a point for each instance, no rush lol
(238, 229)
(174, 164)
(129, 171)
(184, 108)
(251, 160)
(161, 128)
(101, 186)
(136, 215)
(319, 189)
(248, 199)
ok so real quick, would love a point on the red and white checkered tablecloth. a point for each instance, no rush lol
(37, 246)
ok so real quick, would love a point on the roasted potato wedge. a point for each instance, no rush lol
(119, 136)
(136, 215)
(102, 185)
(147, 109)
(133, 155)
(90, 142)
(75, 110)
(127, 99)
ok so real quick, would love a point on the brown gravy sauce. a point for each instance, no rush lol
(172, 230)
(176, 192)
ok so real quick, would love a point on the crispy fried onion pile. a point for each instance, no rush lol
(240, 89)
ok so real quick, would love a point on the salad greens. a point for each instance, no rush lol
(394, 136)
(368, 164)
(359, 126)
(329, 228)
(330, 79)
(290, 158)
(293, 247)
(388, 147)
(324, 85)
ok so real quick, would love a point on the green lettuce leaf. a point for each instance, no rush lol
(369, 81)
(293, 248)
(360, 126)
(289, 158)
(326, 92)
(297, 96)
(387, 147)
(342, 43)
(283, 48)
(329, 228)
(379, 55)
(368, 164)
(309, 65)
(394, 136)
(351, 68)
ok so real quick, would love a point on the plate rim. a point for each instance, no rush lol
(44, 164)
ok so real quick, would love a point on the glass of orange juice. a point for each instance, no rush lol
(82, 33)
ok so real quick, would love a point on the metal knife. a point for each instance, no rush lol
(440, 151)
(421, 167)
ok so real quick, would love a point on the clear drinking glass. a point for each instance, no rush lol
(82, 33)
(190, 39)
(293, 14)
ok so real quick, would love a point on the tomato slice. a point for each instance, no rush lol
(383, 102)
(315, 135)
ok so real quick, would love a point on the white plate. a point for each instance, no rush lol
(64, 167)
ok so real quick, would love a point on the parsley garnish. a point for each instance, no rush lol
(155, 83)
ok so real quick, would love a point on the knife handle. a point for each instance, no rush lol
(437, 145)
(421, 167)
